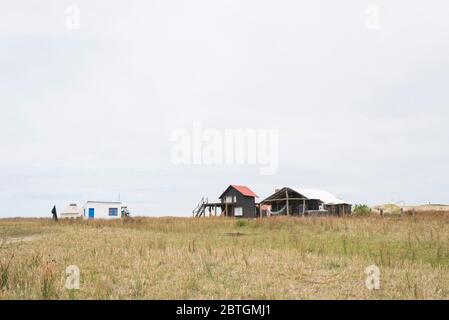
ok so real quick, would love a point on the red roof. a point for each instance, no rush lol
(243, 190)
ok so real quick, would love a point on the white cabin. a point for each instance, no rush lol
(71, 212)
(102, 210)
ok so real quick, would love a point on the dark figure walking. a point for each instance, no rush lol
(53, 212)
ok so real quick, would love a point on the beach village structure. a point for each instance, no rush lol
(96, 209)
(240, 201)
(234, 201)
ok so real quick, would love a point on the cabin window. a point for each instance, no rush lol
(238, 211)
(229, 199)
(113, 212)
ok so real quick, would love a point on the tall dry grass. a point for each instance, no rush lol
(217, 258)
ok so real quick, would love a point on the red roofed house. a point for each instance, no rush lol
(238, 201)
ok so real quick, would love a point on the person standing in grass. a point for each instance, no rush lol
(53, 212)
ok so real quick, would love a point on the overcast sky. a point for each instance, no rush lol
(87, 113)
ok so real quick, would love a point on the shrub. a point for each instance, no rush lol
(361, 209)
(241, 223)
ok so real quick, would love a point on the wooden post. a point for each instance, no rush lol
(382, 212)
(303, 206)
(286, 197)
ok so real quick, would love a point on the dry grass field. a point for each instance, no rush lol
(218, 258)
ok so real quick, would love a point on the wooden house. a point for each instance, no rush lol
(239, 201)
(300, 201)
(235, 201)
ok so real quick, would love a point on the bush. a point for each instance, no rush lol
(361, 209)
(241, 223)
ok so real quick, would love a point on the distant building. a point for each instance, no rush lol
(102, 210)
(300, 201)
(238, 201)
(235, 201)
(72, 211)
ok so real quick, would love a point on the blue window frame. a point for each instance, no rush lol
(113, 212)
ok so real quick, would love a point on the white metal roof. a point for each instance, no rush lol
(325, 196)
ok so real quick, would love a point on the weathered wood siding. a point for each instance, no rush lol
(248, 204)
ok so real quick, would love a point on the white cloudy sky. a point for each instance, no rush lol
(86, 114)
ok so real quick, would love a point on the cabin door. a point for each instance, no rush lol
(91, 213)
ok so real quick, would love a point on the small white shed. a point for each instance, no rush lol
(70, 212)
(102, 210)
